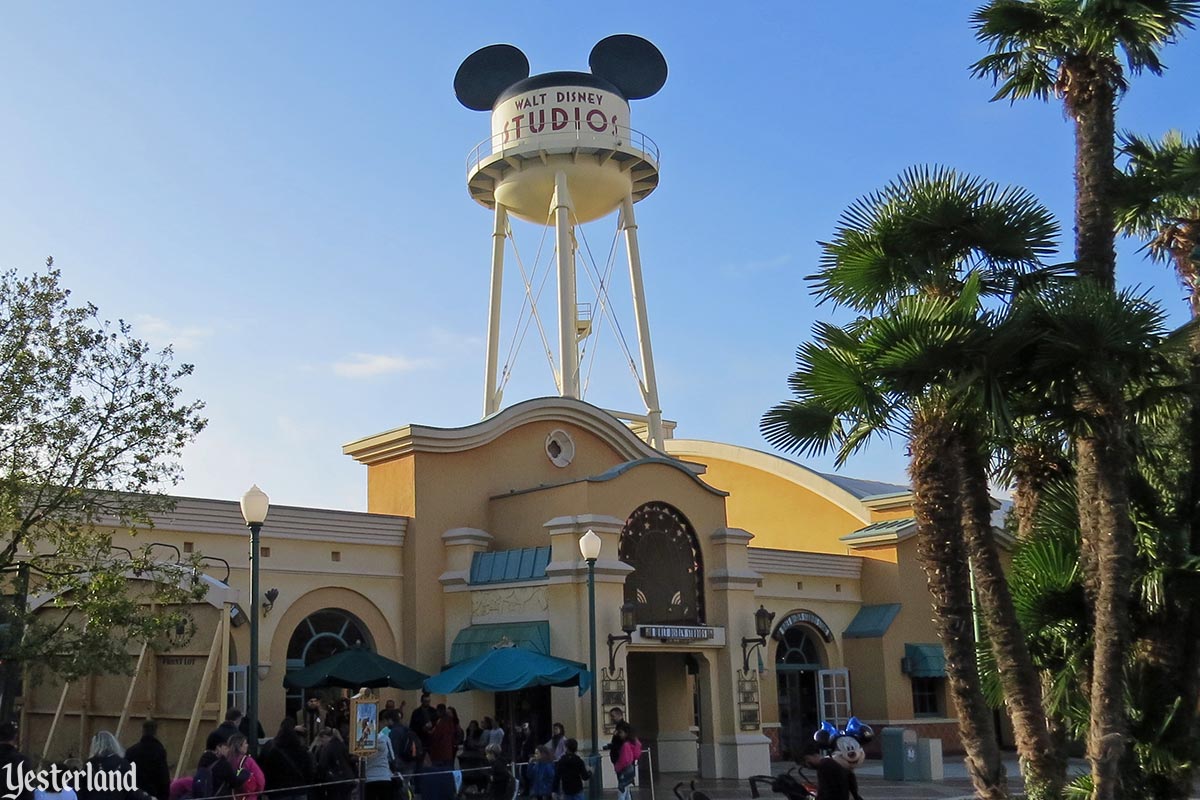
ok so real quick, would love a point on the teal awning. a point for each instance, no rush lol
(871, 622)
(478, 639)
(503, 566)
(924, 660)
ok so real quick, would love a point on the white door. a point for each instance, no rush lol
(833, 687)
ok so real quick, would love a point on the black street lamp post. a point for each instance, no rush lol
(255, 504)
(589, 548)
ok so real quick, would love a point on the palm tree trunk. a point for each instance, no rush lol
(1018, 676)
(1103, 491)
(936, 505)
(1092, 104)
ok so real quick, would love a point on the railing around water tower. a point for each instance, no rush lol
(619, 138)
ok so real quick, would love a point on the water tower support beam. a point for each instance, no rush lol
(568, 341)
(650, 383)
(491, 396)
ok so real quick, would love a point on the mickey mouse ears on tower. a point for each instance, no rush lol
(633, 65)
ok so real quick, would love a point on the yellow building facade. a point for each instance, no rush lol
(471, 539)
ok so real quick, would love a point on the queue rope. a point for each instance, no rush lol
(593, 763)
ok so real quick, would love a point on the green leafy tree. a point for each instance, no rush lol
(921, 257)
(92, 422)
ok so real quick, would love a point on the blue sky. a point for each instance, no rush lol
(278, 189)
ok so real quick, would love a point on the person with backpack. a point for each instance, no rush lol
(215, 776)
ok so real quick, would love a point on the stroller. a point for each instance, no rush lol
(793, 785)
(692, 793)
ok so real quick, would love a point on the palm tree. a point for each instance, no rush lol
(1158, 200)
(1070, 48)
(920, 255)
(867, 379)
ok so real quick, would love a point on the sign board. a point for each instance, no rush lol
(808, 618)
(364, 725)
(677, 633)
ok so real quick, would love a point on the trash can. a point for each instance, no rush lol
(929, 759)
(900, 754)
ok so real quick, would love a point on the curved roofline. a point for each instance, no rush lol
(427, 439)
(775, 465)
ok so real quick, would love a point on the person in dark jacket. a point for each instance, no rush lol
(287, 764)
(230, 726)
(150, 758)
(334, 766)
(108, 756)
(12, 760)
(570, 772)
(500, 780)
(218, 772)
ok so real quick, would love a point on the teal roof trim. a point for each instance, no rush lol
(924, 660)
(871, 622)
(894, 526)
(508, 566)
(475, 640)
(621, 469)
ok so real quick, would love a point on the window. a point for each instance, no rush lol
(235, 694)
(927, 696)
(667, 583)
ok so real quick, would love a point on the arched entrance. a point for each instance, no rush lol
(799, 663)
(666, 587)
(318, 636)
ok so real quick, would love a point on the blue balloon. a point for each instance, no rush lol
(854, 727)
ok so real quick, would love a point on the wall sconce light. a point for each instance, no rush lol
(237, 616)
(271, 596)
(762, 627)
(628, 625)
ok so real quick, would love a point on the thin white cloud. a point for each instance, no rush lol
(369, 365)
(162, 332)
(756, 266)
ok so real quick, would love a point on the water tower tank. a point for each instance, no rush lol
(574, 124)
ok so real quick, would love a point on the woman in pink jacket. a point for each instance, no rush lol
(242, 763)
(626, 758)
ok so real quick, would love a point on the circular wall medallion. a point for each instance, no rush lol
(560, 448)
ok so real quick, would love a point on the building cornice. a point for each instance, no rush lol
(790, 562)
(392, 444)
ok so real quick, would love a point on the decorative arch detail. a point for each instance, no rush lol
(799, 636)
(667, 582)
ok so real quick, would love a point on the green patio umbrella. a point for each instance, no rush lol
(506, 669)
(354, 669)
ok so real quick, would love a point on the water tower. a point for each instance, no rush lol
(561, 153)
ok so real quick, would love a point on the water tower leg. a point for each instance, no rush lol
(568, 342)
(491, 395)
(650, 388)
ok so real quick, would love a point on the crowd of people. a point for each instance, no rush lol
(429, 754)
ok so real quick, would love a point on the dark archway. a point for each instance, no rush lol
(799, 659)
(667, 582)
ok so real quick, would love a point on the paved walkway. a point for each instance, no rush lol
(871, 783)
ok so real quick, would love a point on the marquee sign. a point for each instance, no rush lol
(678, 633)
(808, 618)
